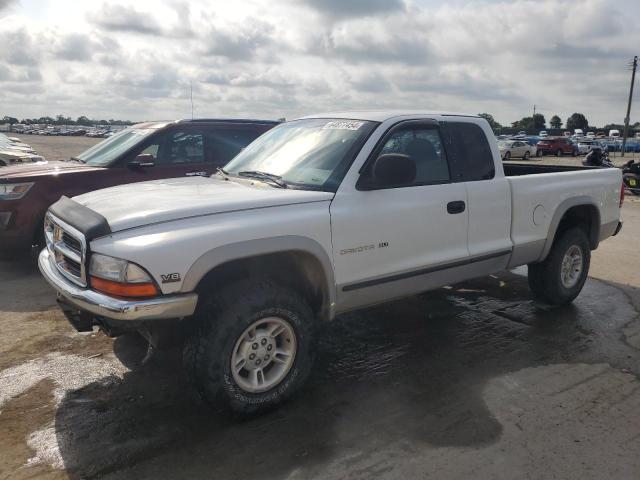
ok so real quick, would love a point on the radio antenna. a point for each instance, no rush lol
(191, 91)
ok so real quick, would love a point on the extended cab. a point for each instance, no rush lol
(146, 151)
(319, 216)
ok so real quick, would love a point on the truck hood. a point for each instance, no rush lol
(32, 169)
(139, 204)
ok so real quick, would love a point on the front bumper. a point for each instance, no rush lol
(101, 305)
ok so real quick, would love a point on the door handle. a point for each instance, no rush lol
(456, 207)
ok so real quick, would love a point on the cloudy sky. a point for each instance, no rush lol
(286, 58)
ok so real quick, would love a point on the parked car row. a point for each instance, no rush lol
(13, 150)
(66, 130)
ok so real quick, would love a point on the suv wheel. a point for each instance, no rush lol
(560, 277)
(252, 348)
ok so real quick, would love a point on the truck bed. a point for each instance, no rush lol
(541, 193)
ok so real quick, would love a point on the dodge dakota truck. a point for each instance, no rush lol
(318, 216)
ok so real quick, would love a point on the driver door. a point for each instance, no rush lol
(389, 242)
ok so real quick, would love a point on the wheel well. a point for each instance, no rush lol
(297, 270)
(586, 217)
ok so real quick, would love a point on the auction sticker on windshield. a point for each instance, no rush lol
(343, 125)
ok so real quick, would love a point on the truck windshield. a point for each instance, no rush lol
(105, 152)
(310, 153)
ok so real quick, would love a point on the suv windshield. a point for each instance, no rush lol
(105, 152)
(310, 153)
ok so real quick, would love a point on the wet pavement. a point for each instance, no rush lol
(470, 380)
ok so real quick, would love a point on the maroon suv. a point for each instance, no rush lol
(556, 146)
(146, 151)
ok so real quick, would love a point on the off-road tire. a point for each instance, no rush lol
(545, 277)
(221, 320)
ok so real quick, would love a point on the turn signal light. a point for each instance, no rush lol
(129, 290)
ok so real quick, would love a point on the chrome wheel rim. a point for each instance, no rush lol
(263, 355)
(572, 265)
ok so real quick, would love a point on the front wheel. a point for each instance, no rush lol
(526, 156)
(559, 279)
(507, 155)
(559, 153)
(252, 348)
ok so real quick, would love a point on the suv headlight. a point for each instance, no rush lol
(14, 191)
(120, 278)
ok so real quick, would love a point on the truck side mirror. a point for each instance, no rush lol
(393, 169)
(143, 160)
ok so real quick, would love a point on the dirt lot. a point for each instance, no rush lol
(471, 381)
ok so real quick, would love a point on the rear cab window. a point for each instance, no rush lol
(469, 152)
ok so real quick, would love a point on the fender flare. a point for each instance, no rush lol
(561, 210)
(262, 246)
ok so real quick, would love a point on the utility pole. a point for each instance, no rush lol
(533, 123)
(634, 65)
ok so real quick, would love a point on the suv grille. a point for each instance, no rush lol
(67, 248)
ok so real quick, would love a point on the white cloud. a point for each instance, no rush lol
(271, 59)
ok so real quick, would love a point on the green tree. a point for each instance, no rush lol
(555, 122)
(9, 120)
(539, 123)
(525, 123)
(577, 120)
(495, 126)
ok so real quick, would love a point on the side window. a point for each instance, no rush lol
(184, 147)
(425, 148)
(225, 143)
(177, 147)
(473, 159)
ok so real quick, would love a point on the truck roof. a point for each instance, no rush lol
(163, 123)
(382, 115)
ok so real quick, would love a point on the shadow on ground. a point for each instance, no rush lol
(410, 373)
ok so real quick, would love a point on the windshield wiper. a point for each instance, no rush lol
(76, 159)
(275, 179)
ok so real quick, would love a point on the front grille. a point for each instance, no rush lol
(73, 243)
(67, 248)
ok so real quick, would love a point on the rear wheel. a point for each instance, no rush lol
(560, 277)
(252, 348)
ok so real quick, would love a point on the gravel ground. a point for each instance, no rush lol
(58, 148)
(472, 380)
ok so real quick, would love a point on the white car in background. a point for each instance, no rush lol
(585, 146)
(591, 135)
(543, 133)
(516, 148)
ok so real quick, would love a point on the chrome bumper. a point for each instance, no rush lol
(157, 308)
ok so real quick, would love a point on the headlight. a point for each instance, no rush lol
(14, 191)
(120, 278)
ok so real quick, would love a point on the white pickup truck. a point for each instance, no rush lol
(318, 216)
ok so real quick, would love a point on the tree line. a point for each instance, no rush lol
(62, 120)
(538, 122)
